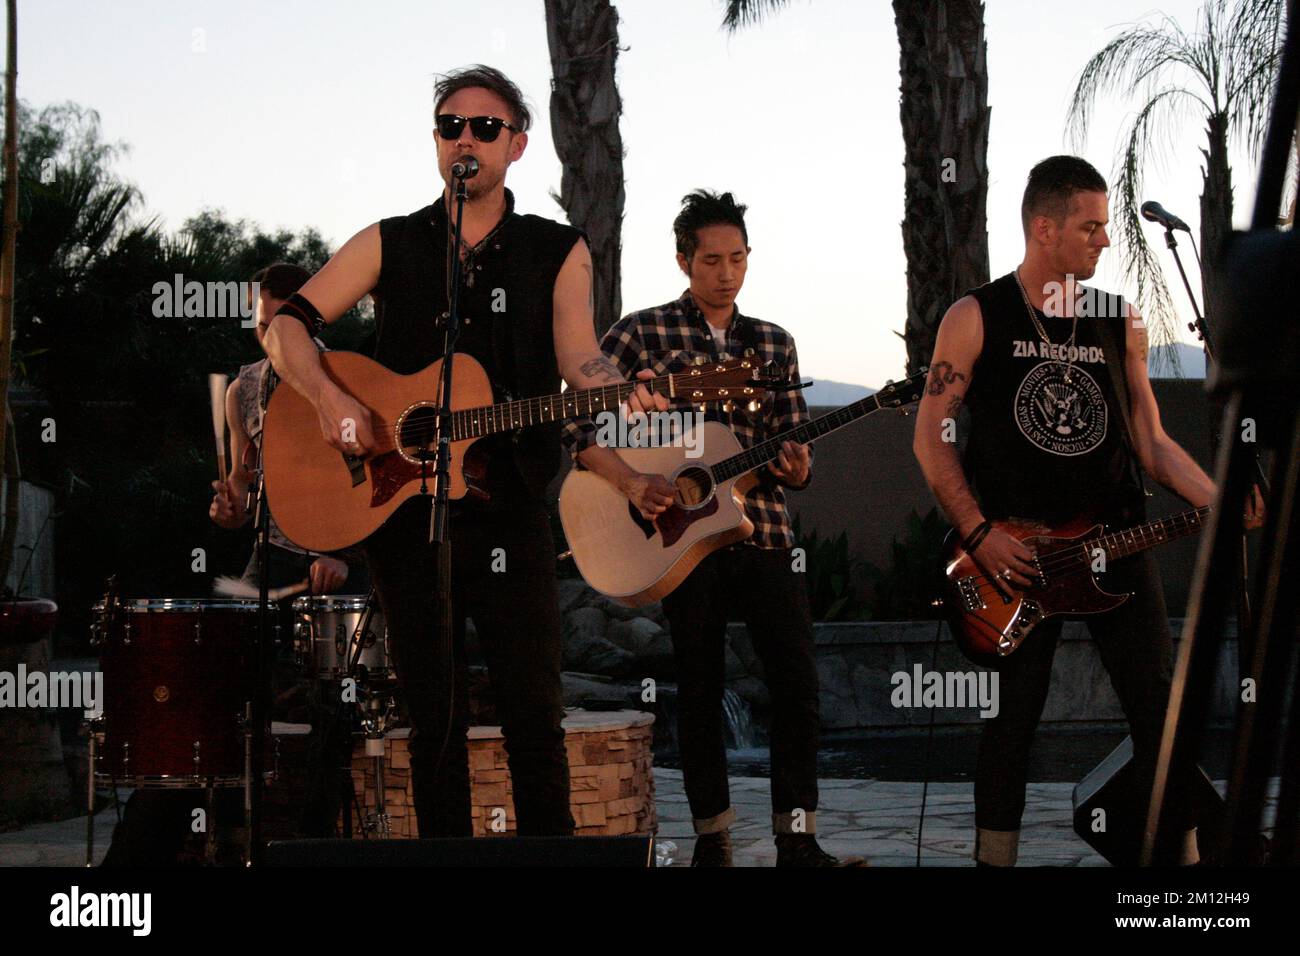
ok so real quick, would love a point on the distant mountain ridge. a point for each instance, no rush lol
(834, 394)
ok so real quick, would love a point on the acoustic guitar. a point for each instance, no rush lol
(634, 560)
(324, 500)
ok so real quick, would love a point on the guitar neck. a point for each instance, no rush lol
(758, 455)
(1132, 540)
(468, 423)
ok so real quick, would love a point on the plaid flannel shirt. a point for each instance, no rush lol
(667, 339)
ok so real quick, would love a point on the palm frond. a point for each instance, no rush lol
(1140, 265)
(1133, 59)
(748, 13)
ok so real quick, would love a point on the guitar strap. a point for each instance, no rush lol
(1119, 382)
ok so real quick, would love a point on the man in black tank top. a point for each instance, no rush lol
(1048, 441)
(527, 318)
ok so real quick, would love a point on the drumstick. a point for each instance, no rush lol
(239, 588)
(217, 390)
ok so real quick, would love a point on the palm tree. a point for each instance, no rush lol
(585, 106)
(1222, 75)
(945, 116)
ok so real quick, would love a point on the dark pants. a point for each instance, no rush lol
(517, 618)
(1135, 647)
(761, 587)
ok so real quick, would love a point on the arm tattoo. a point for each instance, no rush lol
(954, 408)
(602, 368)
(1141, 331)
(941, 376)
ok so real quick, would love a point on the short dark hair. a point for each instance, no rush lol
(1053, 183)
(488, 78)
(281, 279)
(706, 208)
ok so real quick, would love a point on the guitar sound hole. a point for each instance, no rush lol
(693, 487)
(416, 434)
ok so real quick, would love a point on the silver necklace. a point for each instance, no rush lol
(1042, 332)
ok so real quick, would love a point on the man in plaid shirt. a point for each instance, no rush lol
(756, 578)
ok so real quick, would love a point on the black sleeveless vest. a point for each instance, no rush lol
(1047, 439)
(506, 308)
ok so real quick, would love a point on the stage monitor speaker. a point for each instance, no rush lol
(1110, 789)
(628, 851)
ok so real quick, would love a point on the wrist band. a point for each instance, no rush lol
(299, 307)
(975, 537)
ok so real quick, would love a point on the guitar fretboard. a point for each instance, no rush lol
(469, 423)
(1121, 544)
(758, 455)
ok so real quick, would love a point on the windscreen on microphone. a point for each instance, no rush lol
(1157, 213)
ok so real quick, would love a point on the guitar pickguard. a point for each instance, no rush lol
(672, 524)
(388, 473)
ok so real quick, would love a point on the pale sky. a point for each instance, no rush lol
(318, 113)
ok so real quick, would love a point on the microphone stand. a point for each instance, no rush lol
(257, 710)
(1243, 584)
(439, 518)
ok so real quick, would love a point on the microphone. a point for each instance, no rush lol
(466, 168)
(1157, 213)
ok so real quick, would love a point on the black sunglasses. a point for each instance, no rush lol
(485, 128)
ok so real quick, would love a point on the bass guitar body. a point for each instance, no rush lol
(988, 626)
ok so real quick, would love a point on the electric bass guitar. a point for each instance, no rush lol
(324, 500)
(635, 560)
(989, 626)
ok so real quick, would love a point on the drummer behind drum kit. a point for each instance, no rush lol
(178, 687)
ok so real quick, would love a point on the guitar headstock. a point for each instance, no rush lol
(738, 378)
(901, 394)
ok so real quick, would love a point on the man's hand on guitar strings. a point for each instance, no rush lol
(345, 423)
(643, 400)
(651, 494)
(1007, 562)
(792, 464)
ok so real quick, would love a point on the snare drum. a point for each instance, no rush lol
(325, 633)
(176, 678)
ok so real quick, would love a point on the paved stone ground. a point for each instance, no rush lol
(878, 819)
(872, 818)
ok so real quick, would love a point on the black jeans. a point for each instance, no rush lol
(503, 576)
(760, 586)
(1136, 649)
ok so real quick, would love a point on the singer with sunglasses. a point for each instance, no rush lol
(526, 317)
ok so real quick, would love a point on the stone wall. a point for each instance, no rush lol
(611, 777)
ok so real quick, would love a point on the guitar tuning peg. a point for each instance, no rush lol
(754, 406)
(749, 353)
(700, 359)
(703, 408)
(728, 406)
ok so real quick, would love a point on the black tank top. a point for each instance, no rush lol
(506, 310)
(1047, 437)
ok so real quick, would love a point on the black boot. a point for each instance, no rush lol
(801, 849)
(712, 849)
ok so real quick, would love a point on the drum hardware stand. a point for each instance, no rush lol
(374, 721)
(257, 710)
